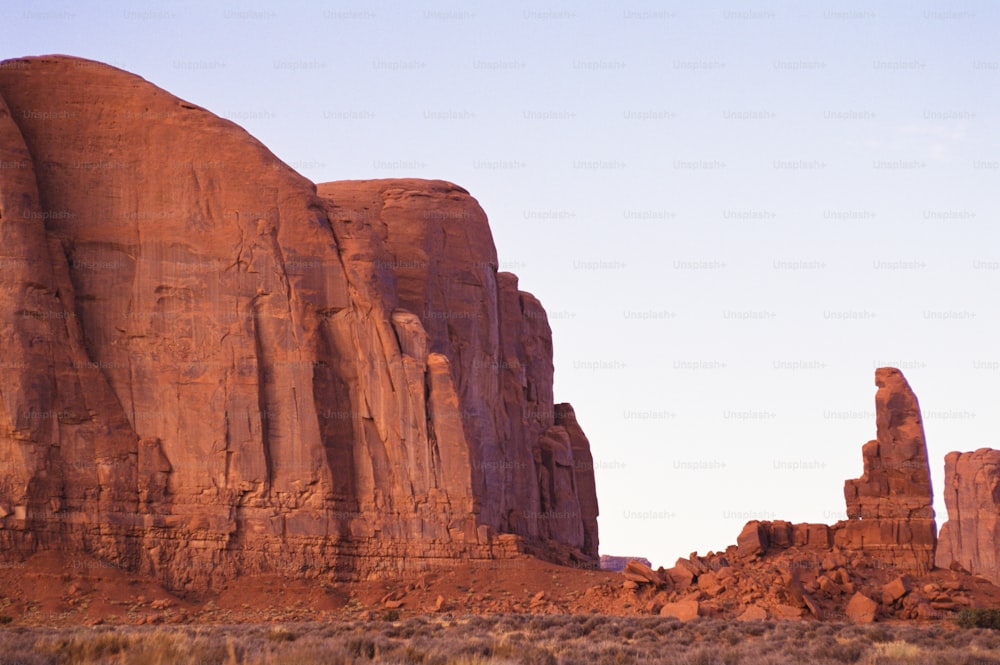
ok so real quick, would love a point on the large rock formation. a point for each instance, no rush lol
(889, 508)
(532, 469)
(886, 543)
(212, 369)
(890, 517)
(971, 536)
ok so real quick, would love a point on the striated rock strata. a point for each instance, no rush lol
(211, 369)
(970, 537)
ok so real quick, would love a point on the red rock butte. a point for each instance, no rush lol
(213, 367)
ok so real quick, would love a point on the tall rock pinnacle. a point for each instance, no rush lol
(889, 508)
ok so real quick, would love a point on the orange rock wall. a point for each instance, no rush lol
(210, 368)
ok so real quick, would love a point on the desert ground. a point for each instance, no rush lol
(58, 609)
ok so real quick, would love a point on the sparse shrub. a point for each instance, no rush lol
(538, 656)
(979, 617)
(878, 634)
(590, 624)
(667, 626)
(361, 647)
(959, 639)
(975, 659)
(646, 635)
(706, 656)
(88, 648)
(571, 631)
(896, 653)
(414, 653)
(505, 640)
(839, 650)
(4, 619)
(987, 640)
(391, 615)
(281, 634)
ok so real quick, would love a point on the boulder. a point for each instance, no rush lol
(797, 593)
(685, 610)
(681, 576)
(829, 586)
(779, 534)
(709, 583)
(688, 567)
(640, 573)
(760, 537)
(812, 536)
(753, 613)
(861, 608)
(786, 612)
(753, 539)
(896, 589)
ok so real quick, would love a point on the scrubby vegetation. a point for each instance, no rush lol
(979, 618)
(506, 640)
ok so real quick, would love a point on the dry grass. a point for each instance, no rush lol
(505, 640)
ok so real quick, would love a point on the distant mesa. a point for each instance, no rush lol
(228, 371)
(616, 564)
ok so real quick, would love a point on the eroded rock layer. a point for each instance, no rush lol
(212, 369)
(970, 537)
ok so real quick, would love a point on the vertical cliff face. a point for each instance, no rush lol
(56, 408)
(214, 370)
(971, 535)
(889, 507)
(531, 468)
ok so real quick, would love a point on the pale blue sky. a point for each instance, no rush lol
(767, 184)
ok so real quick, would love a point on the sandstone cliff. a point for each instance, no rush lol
(212, 369)
(971, 536)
